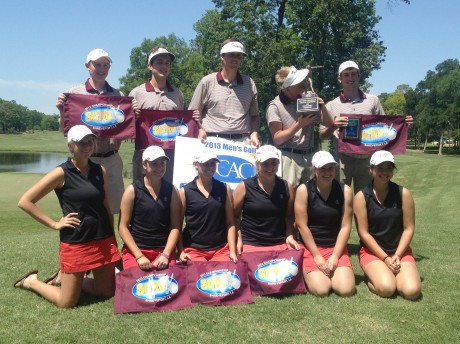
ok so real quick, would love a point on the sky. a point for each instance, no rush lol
(44, 43)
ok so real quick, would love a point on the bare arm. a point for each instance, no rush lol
(360, 210)
(408, 209)
(345, 229)
(290, 240)
(162, 261)
(230, 221)
(53, 180)
(238, 199)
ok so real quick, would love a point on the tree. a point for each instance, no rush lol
(296, 32)
(186, 69)
(438, 104)
(395, 103)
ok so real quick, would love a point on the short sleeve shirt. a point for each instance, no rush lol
(149, 98)
(226, 107)
(282, 110)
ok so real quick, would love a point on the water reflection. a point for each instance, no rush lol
(30, 162)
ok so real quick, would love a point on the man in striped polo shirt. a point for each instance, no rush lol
(353, 167)
(105, 152)
(157, 93)
(227, 100)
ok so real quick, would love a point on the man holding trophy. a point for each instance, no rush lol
(290, 117)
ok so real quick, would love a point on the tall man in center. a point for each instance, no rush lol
(227, 100)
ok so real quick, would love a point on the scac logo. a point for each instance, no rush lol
(277, 272)
(219, 283)
(168, 128)
(104, 115)
(232, 169)
(155, 287)
(378, 134)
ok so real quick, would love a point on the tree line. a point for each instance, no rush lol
(18, 118)
(288, 32)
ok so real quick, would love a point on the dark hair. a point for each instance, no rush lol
(152, 51)
(228, 40)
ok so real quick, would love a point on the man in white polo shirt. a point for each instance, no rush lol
(227, 100)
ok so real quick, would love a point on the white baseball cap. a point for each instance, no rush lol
(382, 156)
(160, 51)
(294, 77)
(78, 132)
(233, 47)
(348, 64)
(152, 153)
(97, 54)
(205, 155)
(322, 158)
(266, 152)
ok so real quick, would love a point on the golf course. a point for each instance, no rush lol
(363, 318)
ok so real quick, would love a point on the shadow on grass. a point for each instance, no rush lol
(88, 300)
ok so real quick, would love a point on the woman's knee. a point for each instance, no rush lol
(411, 291)
(385, 288)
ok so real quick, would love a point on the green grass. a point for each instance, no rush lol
(363, 318)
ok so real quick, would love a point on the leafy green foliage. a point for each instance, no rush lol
(437, 100)
(18, 118)
(186, 70)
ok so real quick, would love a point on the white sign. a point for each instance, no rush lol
(237, 160)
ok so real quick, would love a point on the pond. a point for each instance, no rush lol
(30, 162)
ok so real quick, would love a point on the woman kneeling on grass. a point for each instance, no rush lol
(323, 214)
(87, 240)
(265, 204)
(207, 204)
(150, 216)
(385, 218)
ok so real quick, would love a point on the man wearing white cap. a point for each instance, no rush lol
(98, 63)
(353, 167)
(157, 94)
(227, 100)
(292, 131)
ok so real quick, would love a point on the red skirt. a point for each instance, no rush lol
(89, 255)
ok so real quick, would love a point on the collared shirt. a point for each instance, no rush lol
(365, 104)
(103, 145)
(283, 110)
(149, 98)
(226, 107)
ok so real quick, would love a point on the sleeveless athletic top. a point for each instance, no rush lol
(206, 226)
(150, 221)
(263, 220)
(325, 216)
(385, 221)
(85, 196)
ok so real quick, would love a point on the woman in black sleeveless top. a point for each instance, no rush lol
(323, 214)
(207, 205)
(87, 240)
(265, 204)
(385, 218)
(150, 216)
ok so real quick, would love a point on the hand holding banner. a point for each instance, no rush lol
(161, 127)
(367, 134)
(106, 116)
